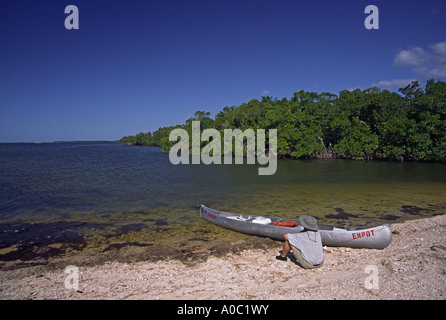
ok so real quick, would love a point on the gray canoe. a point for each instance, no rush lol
(335, 236)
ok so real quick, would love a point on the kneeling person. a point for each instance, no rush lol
(306, 244)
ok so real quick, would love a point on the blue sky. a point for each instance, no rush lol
(135, 66)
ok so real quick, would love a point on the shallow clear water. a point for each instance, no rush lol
(138, 195)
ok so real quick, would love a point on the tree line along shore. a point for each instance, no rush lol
(408, 125)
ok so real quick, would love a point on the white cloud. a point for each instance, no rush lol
(412, 58)
(392, 84)
(265, 92)
(429, 62)
(439, 48)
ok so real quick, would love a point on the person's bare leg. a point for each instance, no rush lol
(286, 249)
(286, 246)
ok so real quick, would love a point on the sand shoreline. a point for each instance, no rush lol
(413, 266)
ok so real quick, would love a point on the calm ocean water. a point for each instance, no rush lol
(135, 192)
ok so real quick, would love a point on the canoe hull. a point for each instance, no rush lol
(335, 236)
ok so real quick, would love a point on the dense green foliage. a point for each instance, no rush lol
(359, 124)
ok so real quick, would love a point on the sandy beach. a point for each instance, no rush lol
(413, 266)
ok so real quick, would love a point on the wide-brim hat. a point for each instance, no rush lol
(309, 222)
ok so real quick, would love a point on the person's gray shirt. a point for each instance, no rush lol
(310, 245)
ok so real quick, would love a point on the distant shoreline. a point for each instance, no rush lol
(68, 141)
(324, 156)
